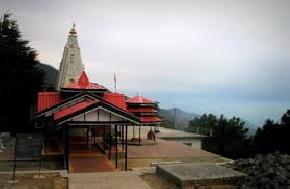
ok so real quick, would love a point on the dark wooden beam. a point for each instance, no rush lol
(94, 134)
(116, 146)
(126, 148)
(66, 146)
(122, 135)
(110, 142)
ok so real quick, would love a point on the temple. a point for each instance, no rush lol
(83, 116)
(71, 64)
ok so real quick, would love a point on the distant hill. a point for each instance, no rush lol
(182, 118)
(50, 77)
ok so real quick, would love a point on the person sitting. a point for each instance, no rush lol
(151, 135)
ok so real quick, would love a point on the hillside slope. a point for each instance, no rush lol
(50, 76)
(182, 118)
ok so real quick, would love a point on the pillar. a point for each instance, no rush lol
(116, 146)
(126, 148)
(139, 134)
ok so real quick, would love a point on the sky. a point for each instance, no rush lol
(228, 57)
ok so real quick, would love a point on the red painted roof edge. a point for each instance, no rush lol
(140, 100)
(46, 100)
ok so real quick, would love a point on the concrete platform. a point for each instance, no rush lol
(167, 149)
(194, 174)
(120, 180)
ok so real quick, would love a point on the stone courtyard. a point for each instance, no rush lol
(142, 161)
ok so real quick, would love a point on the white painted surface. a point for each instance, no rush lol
(169, 134)
(93, 116)
(71, 64)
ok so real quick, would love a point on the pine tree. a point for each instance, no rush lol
(20, 79)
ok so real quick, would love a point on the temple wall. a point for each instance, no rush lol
(93, 116)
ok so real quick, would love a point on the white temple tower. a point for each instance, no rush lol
(71, 64)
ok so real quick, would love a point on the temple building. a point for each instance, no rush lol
(85, 116)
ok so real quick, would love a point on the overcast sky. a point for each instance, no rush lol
(227, 57)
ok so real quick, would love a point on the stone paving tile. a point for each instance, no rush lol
(82, 164)
(107, 180)
(166, 149)
(83, 159)
(30, 181)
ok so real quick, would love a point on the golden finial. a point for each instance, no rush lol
(73, 30)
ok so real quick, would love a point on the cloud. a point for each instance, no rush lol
(224, 56)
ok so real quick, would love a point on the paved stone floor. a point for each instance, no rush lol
(166, 149)
(169, 151)
(81, 163)
(83, 159)
(30, 181)
(106, 180)
(164, 132)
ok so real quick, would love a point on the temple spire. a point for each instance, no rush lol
(71, 65)
(73, 30)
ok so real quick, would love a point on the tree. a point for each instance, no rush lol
(202, 124)
(20, 79)
(225, 136)
(274, 136)
(229, 137)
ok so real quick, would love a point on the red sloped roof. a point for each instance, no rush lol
(140, 100)
(141, 110)
(150, 119)
(47, 99)
(84, 83)
(72, 109)
(116, 99)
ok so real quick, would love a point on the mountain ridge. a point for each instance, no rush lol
(180, 121)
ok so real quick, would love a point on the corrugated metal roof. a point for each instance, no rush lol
(116, 99)
(47, 99)
(84, 83)
(140, 100)
(141, 110)
(72, 109)
(149, 119)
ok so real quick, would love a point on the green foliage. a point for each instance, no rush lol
(202, 124)
(227, 137)
(20, 79)
(274, 136)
